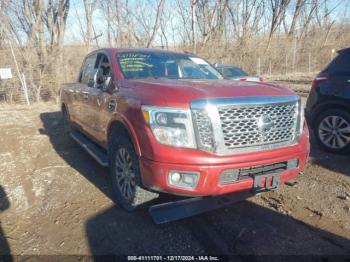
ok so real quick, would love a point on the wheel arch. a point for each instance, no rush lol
(327, 106)
(123, 126)
(63, 107)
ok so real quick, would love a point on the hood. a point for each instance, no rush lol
(180, 93)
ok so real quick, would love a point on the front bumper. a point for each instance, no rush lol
(155, 174)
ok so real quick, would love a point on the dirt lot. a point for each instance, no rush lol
(55, 199)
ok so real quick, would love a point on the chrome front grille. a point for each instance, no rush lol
(203, 129)
(240, 125)
(231, 126)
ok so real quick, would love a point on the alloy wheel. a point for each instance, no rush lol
(125, 174)
(334, 132)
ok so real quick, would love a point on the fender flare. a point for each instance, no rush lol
(121, 119)
(331, 104)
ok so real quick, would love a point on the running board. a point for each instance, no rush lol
(172, 211)
(95, 151)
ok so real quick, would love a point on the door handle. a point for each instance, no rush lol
(112, 104)
(72, 91)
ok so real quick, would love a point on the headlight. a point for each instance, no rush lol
(170, 126)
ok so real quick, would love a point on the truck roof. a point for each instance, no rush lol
(149, 50)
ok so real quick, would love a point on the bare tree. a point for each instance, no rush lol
(193, 24)
(89, 7)
(245, 18)
(2, 18)
(278, 10)
(300, 4)
(159, 13)
(249, 33)
(55, 16)
(43, 25)
(148, 22)
(185, 16)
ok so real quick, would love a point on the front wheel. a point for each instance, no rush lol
(332, 131)
(125, 175)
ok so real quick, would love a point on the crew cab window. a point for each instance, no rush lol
(102, 63)
(102, 72)
(138, 65)
(88, 69)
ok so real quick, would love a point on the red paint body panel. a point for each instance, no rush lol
(154, 174)
(157, 159)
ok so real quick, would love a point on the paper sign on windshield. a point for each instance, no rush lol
(198, 61)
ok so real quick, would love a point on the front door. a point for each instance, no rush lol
(102, 101)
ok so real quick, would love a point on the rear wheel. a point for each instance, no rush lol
(66, 121)
(125, 175)
(332, 131)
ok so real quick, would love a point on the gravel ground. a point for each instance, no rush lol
(55, 199)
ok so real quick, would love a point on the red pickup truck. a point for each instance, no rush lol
(168, 122)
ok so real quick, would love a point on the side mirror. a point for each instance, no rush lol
(91, 82)
(99, 77)
(106, 85)
(101, 81)
(94, 81)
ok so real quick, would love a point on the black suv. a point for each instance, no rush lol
(328, 105)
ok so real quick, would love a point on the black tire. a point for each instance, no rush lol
(324, 129)
(139, 195)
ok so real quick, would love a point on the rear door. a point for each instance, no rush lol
(82, 92)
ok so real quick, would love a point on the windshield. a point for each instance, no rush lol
(232, 72)
(138, 65)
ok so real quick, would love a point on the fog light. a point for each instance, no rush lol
(189, 180)
(183, 179)
(175, 177)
